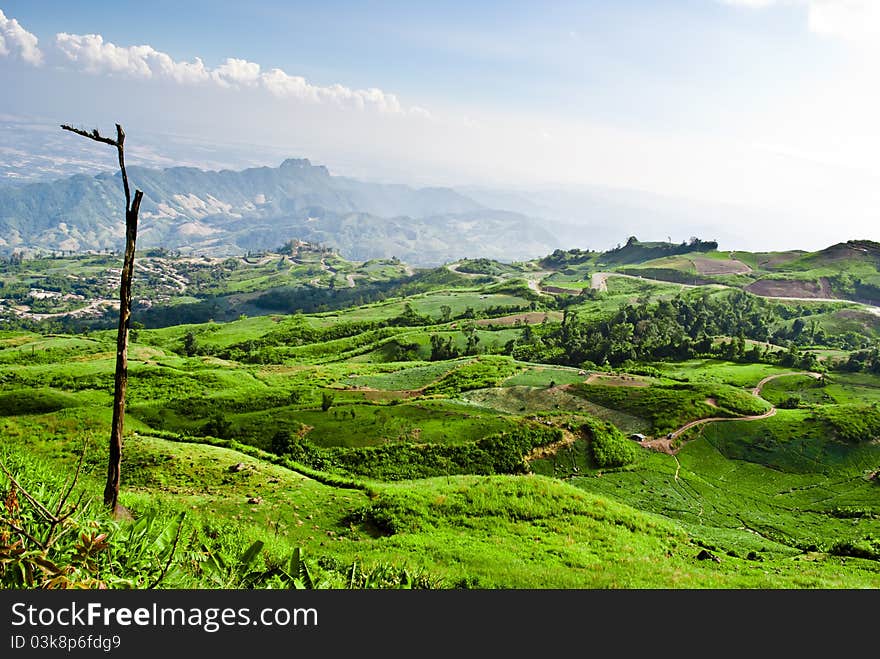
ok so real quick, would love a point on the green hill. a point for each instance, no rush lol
(466, 430)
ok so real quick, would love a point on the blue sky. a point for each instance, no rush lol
(770, 104)
(606, 59)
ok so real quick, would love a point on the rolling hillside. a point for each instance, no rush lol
(481, 425)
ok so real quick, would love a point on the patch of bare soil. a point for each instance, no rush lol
(790, 288)
(712, 402)
(706, 266)
(660, 444)
(845, 252)
(551, 449)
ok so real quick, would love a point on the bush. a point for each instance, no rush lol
(608, 446)
(502, 453)
(486, 371)
(282, 442)
(49, 542)
(851, 423)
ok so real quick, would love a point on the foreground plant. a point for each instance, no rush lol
(49, 542)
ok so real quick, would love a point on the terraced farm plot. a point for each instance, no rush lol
(849, 320)
(790, 288)
(835, 388)
(478, 373)
(803, 388)
(620, 380)
(31, 349)
(743, 508)
(433, 422)
(420, 340)
(634, 286)
(788, 442)
(853, 388)
(345, 423)
(224, 335)
(681, 263)
(379, 311)
(15, 402)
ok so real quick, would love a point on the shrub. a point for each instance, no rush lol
(608, 446)
(851, 423)
(50, 539)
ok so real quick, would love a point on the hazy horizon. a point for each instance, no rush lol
(757, 114)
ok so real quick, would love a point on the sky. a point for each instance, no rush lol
(767, 105)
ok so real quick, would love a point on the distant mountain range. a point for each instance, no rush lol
(230, 212)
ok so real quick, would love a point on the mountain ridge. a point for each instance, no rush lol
(228, 212)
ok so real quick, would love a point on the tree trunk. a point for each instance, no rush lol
(132, 206)
(111, 489)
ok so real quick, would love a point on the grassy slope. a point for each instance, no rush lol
(766, 487)
(506, 532)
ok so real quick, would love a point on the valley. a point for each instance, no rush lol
(652, 416)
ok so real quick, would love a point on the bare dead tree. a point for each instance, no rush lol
(132, 206)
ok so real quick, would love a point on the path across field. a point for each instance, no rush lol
(665, 444)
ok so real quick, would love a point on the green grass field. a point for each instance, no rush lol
(335, 433)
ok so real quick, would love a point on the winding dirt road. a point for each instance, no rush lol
(665, 444)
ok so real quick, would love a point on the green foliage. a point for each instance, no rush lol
(486, 371)
(635, 251)
(668, 407)
(35, 401)
(235, 572)
(851, 423)
(608, 446)
(792, 441)
(443, 349)
(190, 344)
(501, 453)
(50, 540)
(683, 327)
(282, 442)
(866, 547)
(218, 425)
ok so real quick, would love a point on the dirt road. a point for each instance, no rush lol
(665, 444)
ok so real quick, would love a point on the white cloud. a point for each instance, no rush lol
(94, 55)
(14, 38)
(237, 72)
(852, 20)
